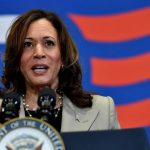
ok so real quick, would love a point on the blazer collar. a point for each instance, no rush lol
(82, 118)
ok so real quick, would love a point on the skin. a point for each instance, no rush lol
(41, 59)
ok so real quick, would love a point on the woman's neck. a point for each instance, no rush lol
(31, 100)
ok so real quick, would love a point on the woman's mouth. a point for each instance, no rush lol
(39, 69)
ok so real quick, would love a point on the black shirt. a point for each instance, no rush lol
(54, 117)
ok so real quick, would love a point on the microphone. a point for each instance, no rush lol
(10, 106)
(46, 103)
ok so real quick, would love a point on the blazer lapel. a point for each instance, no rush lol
(77, 119)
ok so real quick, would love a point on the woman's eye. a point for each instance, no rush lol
(49, 43)
(28, 44)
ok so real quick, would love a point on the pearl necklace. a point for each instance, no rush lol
(59, 101)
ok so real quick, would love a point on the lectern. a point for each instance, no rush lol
(34, 134)
(123, 139)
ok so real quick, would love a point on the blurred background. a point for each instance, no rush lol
(113, 38)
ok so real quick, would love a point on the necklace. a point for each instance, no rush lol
(56, 111)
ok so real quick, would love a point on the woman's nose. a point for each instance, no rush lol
(39, 51)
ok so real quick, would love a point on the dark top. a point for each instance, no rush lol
(54, 117)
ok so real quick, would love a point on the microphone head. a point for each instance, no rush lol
(47, 98)
(10, 106)
(11, 100)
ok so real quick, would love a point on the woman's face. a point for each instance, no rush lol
(41, 58)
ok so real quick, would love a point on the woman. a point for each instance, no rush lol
(40, 52)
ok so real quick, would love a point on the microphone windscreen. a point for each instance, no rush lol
(47, 94)
(10, 106)
(47, 91)
(13, 97)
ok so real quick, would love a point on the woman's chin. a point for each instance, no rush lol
(41, 84)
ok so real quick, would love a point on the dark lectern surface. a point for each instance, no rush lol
(124, 139)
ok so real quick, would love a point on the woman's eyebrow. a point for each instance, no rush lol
(28, 38)
(47, 37)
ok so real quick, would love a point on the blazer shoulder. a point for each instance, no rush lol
(102, 100)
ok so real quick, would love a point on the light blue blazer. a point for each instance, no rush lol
(101, 116)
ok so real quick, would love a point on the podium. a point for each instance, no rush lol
(25, 132)
(123, 139)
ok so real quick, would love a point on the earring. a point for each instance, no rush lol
(62, 66)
